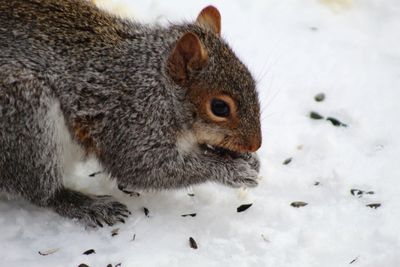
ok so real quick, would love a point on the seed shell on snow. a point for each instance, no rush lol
(336, 122)
(115, 232)
(90, 251)
(287, 161)
(298, 204)
(48, 252)
(243, 207)
(189, 214)
(316, 116)
(354, 260)
(192, 243)
(94, 174)
(320, 97)
(146, 211)
(83, 265)
(374, 205)
(360, 193)
(130, 193)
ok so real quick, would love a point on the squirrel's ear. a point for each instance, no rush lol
(188, 55)
(210, 18)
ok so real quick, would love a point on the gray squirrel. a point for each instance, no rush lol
(161, 107)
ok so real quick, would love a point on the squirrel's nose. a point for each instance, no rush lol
(254, 143)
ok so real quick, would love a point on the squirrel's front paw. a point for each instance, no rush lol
(105, 209)
(252, 159)
(245, 176)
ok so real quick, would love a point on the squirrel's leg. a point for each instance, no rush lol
(31, 159)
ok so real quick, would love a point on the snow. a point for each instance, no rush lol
(348, 50)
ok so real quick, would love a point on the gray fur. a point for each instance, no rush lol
(109, 77)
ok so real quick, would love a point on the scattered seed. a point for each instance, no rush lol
(134, 237)
(314, 29)
(317, 183)
(319, 97)
(109, 265)
(118, 265)
(360, 193)
(146, 211)
(115, 232)
(298, 204)
(192, 243)
(191, 194)
(48, 252)
(336, 122)
(189, 214)
(353, 261)
(374, 205)
(90, 251)
(83, 265)
(243, 207)
(287, 161)
(315, 116)
(265, 238)
(130, 193)
(94, 174)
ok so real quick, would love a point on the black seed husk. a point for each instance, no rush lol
(317, 183)
(192, 243)
(191, 194)
(83, 265)
(130, 193)
(287, 161)
(360, 193)
(189, 214)
(374, 205)
(243, 207)
(353, 261)
(298, 204)
(48, 252)
(94, 174)
(319, 97)
(315, 116)
(90, 251)
(146, 211)
(114, 232)
(336, 122)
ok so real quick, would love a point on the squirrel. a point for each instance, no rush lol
(160, 107)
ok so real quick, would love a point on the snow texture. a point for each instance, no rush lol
(348, 50)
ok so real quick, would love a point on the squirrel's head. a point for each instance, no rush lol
(220, 88)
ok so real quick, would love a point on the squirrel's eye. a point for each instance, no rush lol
(220, 108)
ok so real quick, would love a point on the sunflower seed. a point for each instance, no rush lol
(243, 207)
(298, 204)
(88, 252)
(48, 252)
(192, 243)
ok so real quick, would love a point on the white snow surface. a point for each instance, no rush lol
(349, 50)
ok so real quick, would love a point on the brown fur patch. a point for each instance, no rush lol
(188, 55)
(81, 133)
(210, 18)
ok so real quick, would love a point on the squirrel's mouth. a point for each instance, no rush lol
(220, 151)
